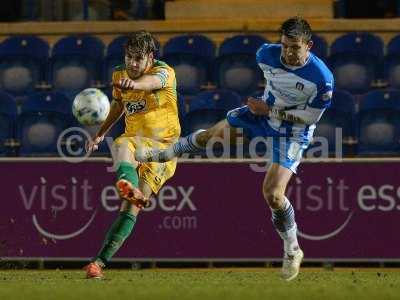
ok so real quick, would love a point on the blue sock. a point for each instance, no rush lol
(186, 144)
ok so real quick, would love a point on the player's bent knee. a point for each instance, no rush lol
(274, 197)
(123, 152)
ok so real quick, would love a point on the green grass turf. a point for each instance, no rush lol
(201, 284)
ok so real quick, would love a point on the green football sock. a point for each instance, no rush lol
(116, 235)
(126, 171)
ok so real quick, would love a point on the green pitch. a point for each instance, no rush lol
(202, 284)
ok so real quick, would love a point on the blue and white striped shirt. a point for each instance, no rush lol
(304, 91)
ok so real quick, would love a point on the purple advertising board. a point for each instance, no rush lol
(59, 210)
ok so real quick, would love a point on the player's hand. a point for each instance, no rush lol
(258, 106)
(126, 84)
(93, 145)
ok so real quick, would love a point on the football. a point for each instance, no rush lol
(91, 107)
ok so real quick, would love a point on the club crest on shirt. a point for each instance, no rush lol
(299, 86)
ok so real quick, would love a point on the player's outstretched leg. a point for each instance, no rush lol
(283, 219)
(187, 144)
(192, 143)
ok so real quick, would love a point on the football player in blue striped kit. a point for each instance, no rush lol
(298, 90)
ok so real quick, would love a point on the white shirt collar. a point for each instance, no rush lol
(295, 67)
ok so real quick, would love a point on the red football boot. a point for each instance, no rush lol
(130, 193)
(93, 271)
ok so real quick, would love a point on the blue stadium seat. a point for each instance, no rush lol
(8, 114)
(392, 62)
(115, 56)
(23, 61)
(320, 47)
(355, 59)
(236, 67)
(76, 62)
(209, 107)
(43, 117)
(379, 123)
(341, 116)
(190, 55)
(182, 112)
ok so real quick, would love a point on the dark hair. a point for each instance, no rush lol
(141, 43)
(296, 27)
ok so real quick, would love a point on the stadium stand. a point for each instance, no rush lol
(392, 62)
(190, 55)
(114, 56)
(209, 107)
(340, 116)
(379, 123)
(334, 41)
(76, 63)
(236, 67)
(355, 59)
(8, 115)
(43, 117)
(23, 62)
(182, 110)
(320, 47)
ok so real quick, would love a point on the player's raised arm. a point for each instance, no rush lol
(304, 116)
(144, 83)
(147, 82)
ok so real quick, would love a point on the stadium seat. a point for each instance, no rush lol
(236, 67)
(320, 47)
(379, 123)
(182, 112)
(341, 116)
(392, 62)
(115, 56)
(355, 59)
(190, 55)
(207, 108)
(43, 117)
(23, 61)
(76, 63)
(8, 114)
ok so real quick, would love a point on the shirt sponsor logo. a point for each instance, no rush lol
(135, 107)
